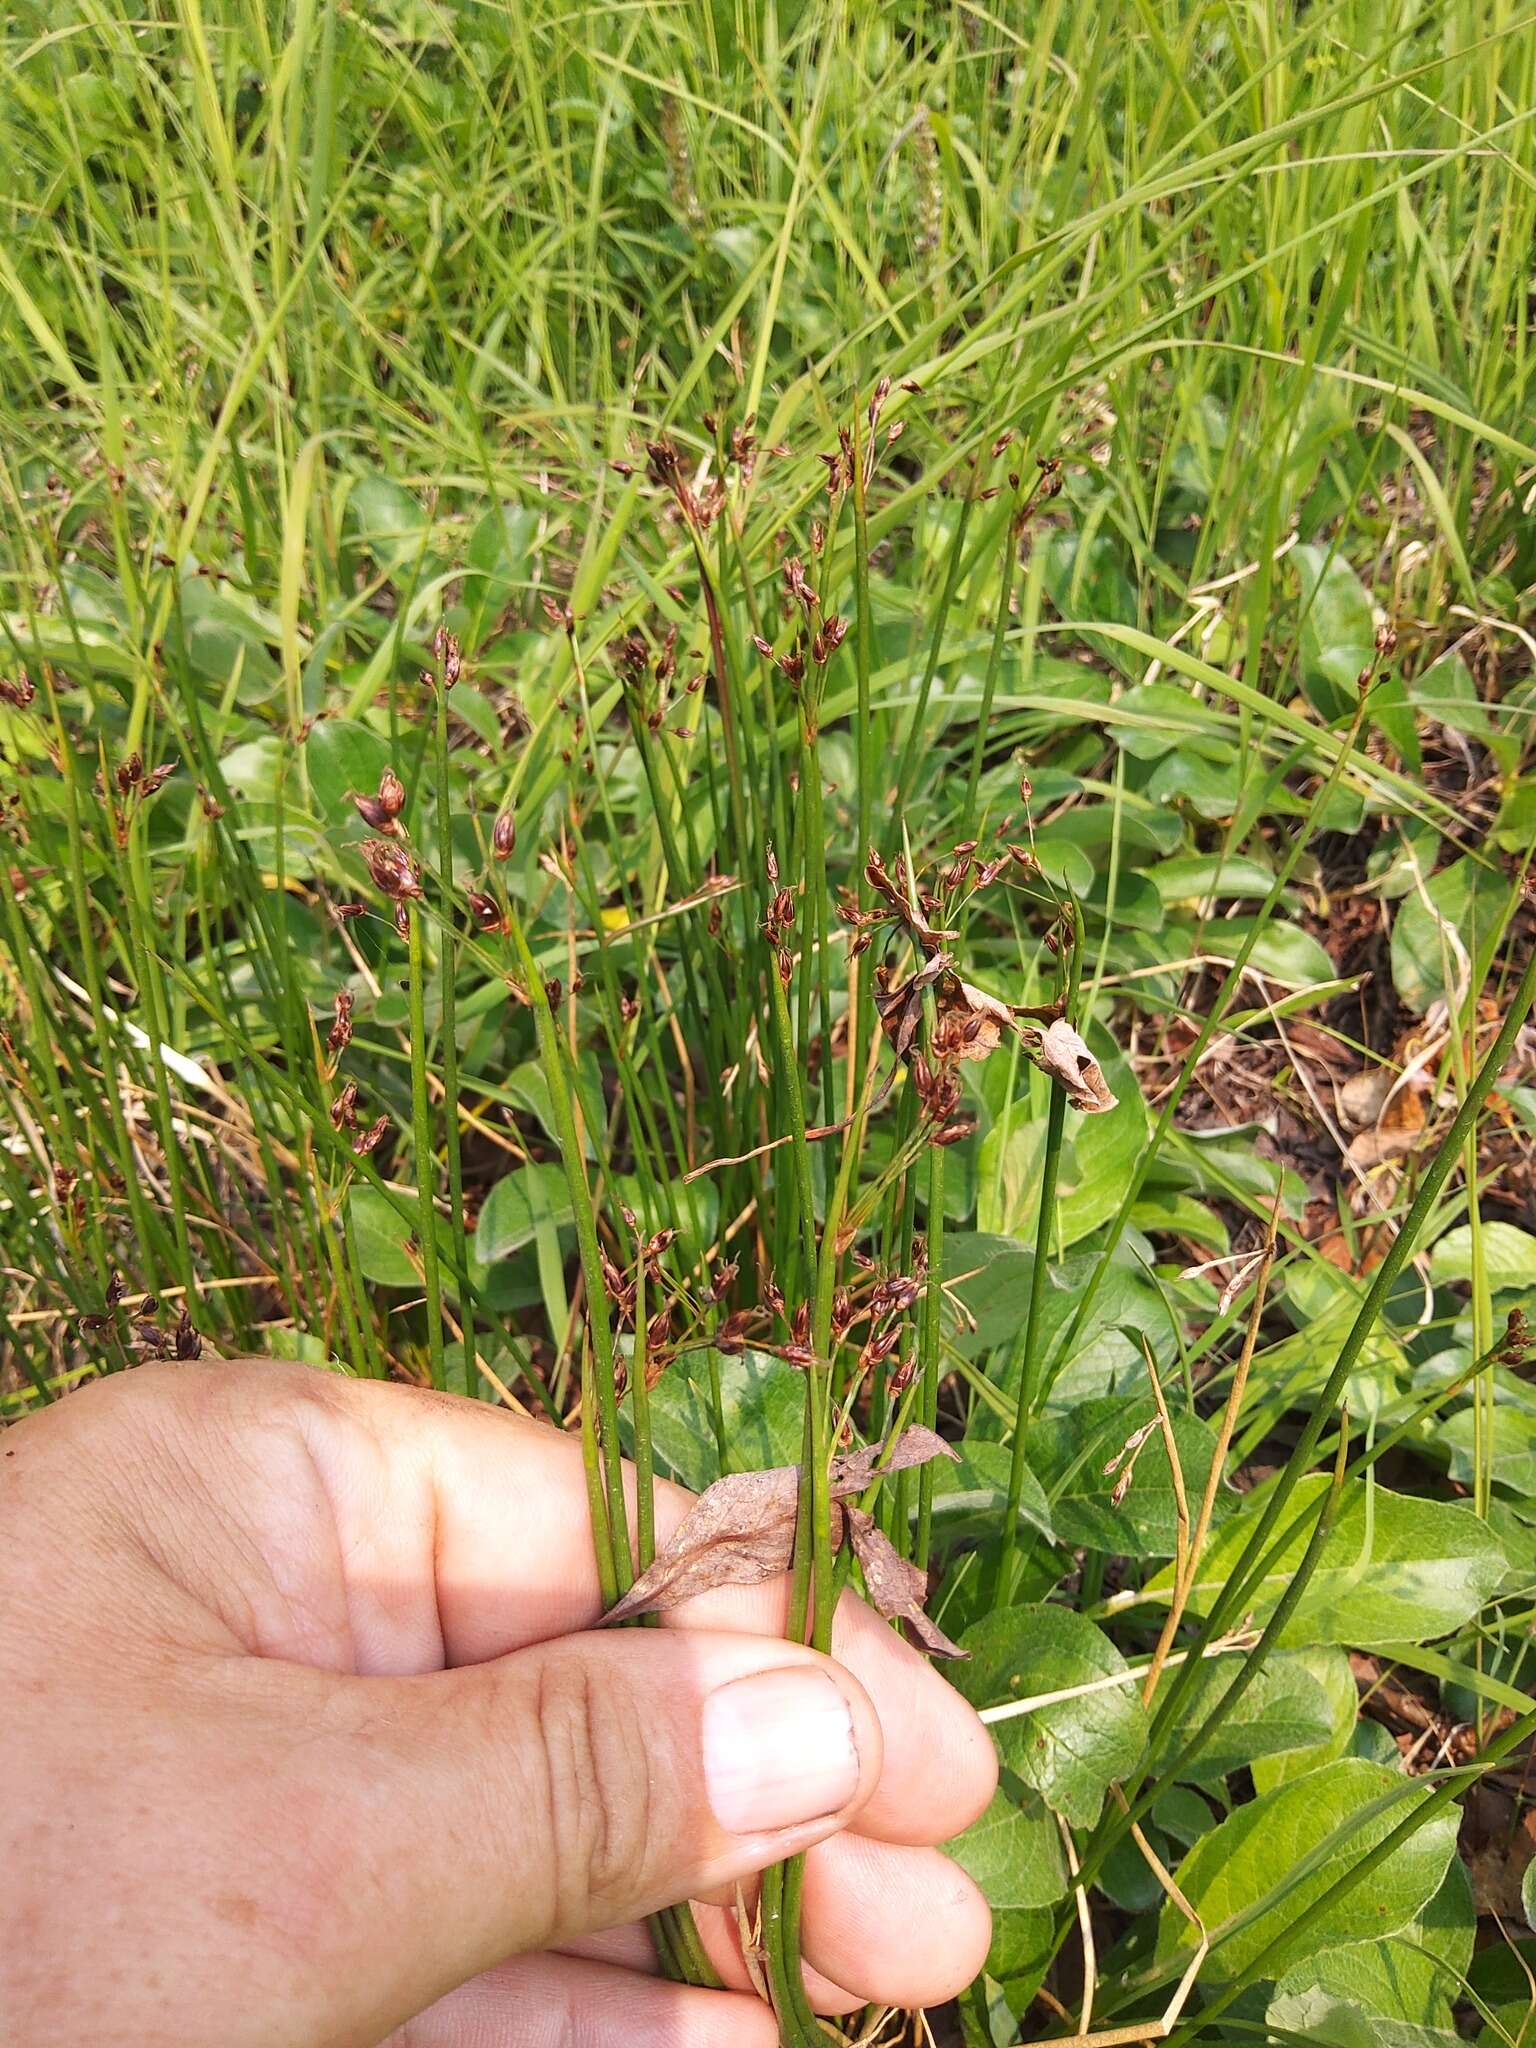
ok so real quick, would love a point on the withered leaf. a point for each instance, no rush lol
(738, 1532)
(897, 1588)
(1065, 1057)
(741, 1530)
(900, 1009)
(915, 1446)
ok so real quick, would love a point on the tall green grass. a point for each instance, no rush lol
(1144, 397)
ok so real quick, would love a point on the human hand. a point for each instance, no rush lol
(305, 1745)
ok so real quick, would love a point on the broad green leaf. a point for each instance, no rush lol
(1411, 1977)
(1210, 788)
(1394, 1568)
(1283, 951)
(1251, 1878)
(1330, 1668)
(1070, 1450)
(763, 1402)
(1508, 1256)
(1447, 693)
(697, 1209)
(1509, 2023)
(1440, 926)
(976, 1488)
(1013, 1852)
(1391, 712)
(383, 1236)
(1528, 1894)
(1152, 719)
(1099, 1149)
(991, 1274)
(1338, 632)
(1073, 1750)
(498, 566)
(1189, 877)
(527, 1086)
(512, 1212)
(343, 756)
(1285, 1708)
(1510, 1450)
(385, 519)
(1181, 1216)
(1023, 1944)
(251, 770)
(1317, 2015)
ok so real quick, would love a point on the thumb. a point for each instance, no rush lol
(585, 1782)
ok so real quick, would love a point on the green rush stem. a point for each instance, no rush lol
(724, 698)
(800, 1151)
(933, 1302)
(640, 1402)
(1153, 1149)
(1010, 565)
(812, 1562)
(936, 640)
(597, 1499)
(1045, 1224)
(862, 646)
(678, 1946)
(421, 1124)
(149, 1236)
(157, 1032)
(561, 1086)
(448, 968)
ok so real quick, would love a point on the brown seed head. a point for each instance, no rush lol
(395, 874)
(341, 1030)
(484, 910)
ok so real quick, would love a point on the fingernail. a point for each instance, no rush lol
(778, 1750)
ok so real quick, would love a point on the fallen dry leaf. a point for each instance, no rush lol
(741, 1531)
(1065, 1057)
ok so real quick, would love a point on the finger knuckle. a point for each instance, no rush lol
(597, 1790)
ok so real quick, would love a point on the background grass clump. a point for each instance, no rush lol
(616, 623)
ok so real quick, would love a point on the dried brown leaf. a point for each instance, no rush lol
(1065, 1057)
(915, 1446)
(896, 1588)
(741, 1530)
(738, 1532)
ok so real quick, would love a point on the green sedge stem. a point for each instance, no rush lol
(561, 1093)
(421, 1121)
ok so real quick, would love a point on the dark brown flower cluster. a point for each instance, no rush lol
(817, 637)
(842, 466)
(699, 508)
(381, 813)
(344, 1118)
(395, 875)
(449, 656)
